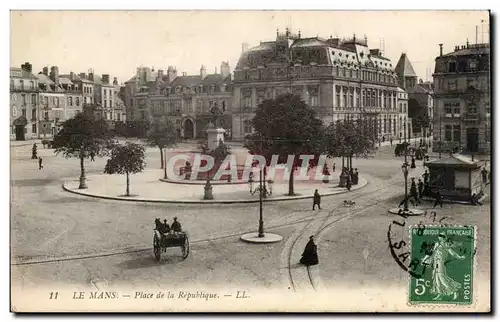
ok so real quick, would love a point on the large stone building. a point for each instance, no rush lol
(189, 101)
(420, 101)
(53, 102)
(24, 100)
(340, 79)
(462, 104)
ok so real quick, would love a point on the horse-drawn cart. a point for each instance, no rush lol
(169, 240)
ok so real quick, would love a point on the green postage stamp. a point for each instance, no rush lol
(442, 265)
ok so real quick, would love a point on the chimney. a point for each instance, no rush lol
(440, 49)
(91, 76)
(184, 74)
(71, 76)
(115, 80)
(421, 81)
(45, 71)
(203, 72)
(225, 70)
(244, 47)
(27, 67)
(105, 78)
(83, 75)
(54, 74)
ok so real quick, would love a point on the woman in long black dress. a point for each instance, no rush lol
(310, 254)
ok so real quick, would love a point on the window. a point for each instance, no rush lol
(33, 114)
(33, 128)
(105, 92)
(77, 101)
(21, 82)
(456, 133)
(452, 85)
(70, 101)
(452, 67)
(247, 125)
(447, 108)
(57, 101)
(23, 97)
(247, 101)
(14, 111)
(472, 109)
(105, 103)
(364, 97)
(351, 97)
(199, 106)
(223, 106)
(24, 112)
(338, 97)
(110, 104)
(373, 98)
(32, 85)
(447, 132)
(344, 97)
(118, 116)
(46, 115)
(472, 64)
(143, 115)
(456, 108)
(33, 99)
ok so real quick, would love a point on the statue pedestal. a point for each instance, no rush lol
(214, 137)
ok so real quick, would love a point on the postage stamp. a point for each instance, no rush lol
(443, 260)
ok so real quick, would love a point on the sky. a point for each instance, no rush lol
(117, 42)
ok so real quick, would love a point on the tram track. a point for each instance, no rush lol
(386, 185)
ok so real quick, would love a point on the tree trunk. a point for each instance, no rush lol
(83, 183)
(290, 183)
(128, 185)
(161, 158)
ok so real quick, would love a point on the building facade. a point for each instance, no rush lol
(420, 100)
(188, 101)
(24, 103)
(340, 79)
(462, 104)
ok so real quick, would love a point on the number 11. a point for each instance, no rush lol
(53, 295)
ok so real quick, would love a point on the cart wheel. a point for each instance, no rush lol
(156, 248)
(185, 248)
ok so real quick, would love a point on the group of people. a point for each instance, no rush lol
(352, 177)
(165, 228)
(422, 189)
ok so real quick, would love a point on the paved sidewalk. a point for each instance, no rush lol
(14, 143)
(147, 187)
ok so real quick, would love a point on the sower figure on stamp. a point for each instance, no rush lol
(442, 283)
(310, 254)
(316, 199)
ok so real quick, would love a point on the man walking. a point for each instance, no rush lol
(484, 174)
(426, 177)
(316, 199)
(439, 199)
(413, 191)
(420, 188)
(40, 166)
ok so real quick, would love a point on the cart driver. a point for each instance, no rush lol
(176, 226)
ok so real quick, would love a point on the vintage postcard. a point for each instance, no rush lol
(250, 161)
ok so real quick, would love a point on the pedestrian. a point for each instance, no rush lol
(413, 191)
(40, 166)
(439, 199)
(316, 199)
(426, 177)
(413, 166)
(355, 176)
(34, 154)
(391, 141)
(420, 188)
(310, 254)
(484, 173)
(348, 184)
(92, 155)
(333, 167)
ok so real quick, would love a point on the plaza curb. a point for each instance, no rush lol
(363, 183)
(202, 182)
(268, 238)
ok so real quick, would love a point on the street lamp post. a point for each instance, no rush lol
(261, 220)
(165, 164)
(404, 168)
